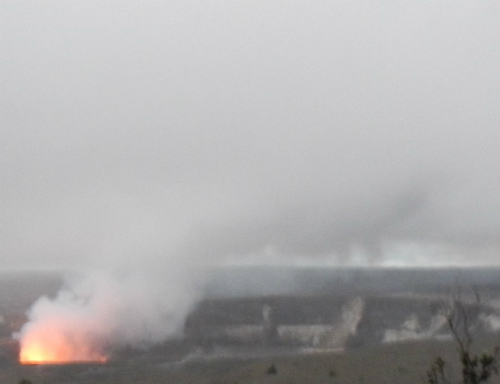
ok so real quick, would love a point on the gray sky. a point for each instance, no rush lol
(245, 131)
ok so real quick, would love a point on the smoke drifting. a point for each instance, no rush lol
(346, 132)
(101, 312)
(151, 137)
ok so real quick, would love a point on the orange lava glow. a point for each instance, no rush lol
(55, 348)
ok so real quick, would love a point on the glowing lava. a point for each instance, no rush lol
(44, 346)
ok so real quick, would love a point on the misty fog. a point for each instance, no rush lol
(146, 141)
(236, 128)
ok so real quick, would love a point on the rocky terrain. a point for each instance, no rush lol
(322, 321)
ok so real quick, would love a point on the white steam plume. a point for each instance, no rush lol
(242, 129)
(102, 311)
(135, 290)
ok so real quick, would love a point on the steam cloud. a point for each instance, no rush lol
(168, 136)
(99, 312)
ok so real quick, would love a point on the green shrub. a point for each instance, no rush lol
(272, 370)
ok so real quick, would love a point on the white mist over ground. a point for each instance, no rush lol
(151, 139)
(99, 312)
(136, 294)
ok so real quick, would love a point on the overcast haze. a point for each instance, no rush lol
(352, 133)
